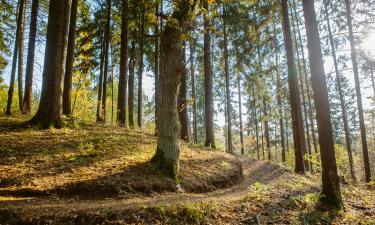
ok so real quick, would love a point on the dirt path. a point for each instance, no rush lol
(253, 171)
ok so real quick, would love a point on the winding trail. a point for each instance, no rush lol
(253, 171)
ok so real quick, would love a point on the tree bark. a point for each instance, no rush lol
(208, 73)
(107, 37)
(100, 83)
(279, 103)
(30, 58)
(172, 66)
(20, 58)
(131, 86)
(21, 6)
(366, 160)
(266, 128)
(295, 103)
(193, 94)
(341, 95)
(156, 56)
(122, 86)
(308, 163)
(182, 104)
(307, 85)
(240, 113)
(50, 106)
(227, 84)
(256, 123)
(140, 72)
(67, 93)
(331, 194)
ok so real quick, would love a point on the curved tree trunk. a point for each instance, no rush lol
(208, 96)
(21, 6)
(67, 93)
(362, 125)
(50, 106)
(122, 86)
(30, 58)
(330, 182)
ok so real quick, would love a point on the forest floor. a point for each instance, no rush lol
(92, 174)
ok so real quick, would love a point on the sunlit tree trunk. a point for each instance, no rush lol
(331, 194)
(50, 106)
(122, 86)
(193, 94)
(295, 103)
(307, 84)
(308, 163)
(256, 122)
(131, 86)
(341, 95)
(21, 6)
(30, 58)
(107, 39)
(20, 58)
(100, 83)
(208, 73)
(227, 85)
(279, 103)
(240, 113)
(182, 103)
(140, 71)
(67, 93)
(358, 93)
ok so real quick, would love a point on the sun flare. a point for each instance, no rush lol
(368, 44)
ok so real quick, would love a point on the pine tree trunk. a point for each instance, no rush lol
(30, 58)
(131, 86)
(279, 103)
(20, 58)
(307, 85)
(50, 106)
(208, 73)
(67, 93)
(122, 86)
(330, 182)
(21, 6)
(341, 96)
(156, 56)
(295, 103)
(100, 83)
(140, 72)
(308, 163)
(256, 123)
(227, 85)
(266, 128)
(240, 113)
(193, 94)
(182, 104)
(107, 37)
(366, 160)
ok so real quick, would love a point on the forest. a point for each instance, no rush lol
(187, 112)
